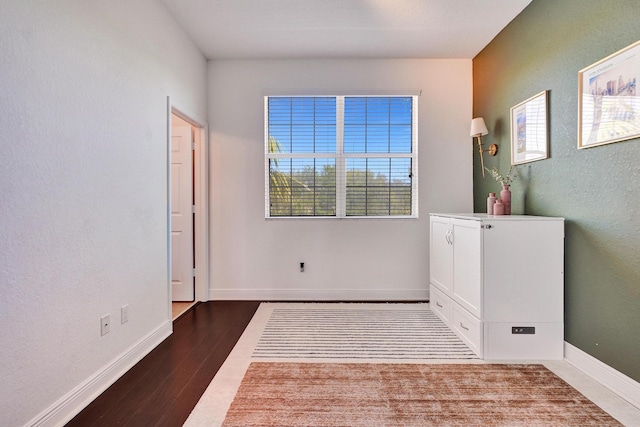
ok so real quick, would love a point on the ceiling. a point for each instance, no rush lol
(279, 29)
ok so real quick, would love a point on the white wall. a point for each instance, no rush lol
(254, 258)
(83, 211)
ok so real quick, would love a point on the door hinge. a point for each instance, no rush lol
(486, 226)
(193, 271)
(193, 209)
(193, 146)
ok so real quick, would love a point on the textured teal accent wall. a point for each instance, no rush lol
(597, 189)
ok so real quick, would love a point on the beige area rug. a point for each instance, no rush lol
(305, 394)
(254, 351)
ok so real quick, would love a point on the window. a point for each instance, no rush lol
(341, 156)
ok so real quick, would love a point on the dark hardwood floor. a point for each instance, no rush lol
(163, 388)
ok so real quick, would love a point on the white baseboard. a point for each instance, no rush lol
(68, 406)
(319, 295)
(616, 381)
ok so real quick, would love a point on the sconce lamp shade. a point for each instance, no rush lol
(478, 127)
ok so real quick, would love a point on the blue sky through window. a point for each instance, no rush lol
(303, 124)
(377, 125)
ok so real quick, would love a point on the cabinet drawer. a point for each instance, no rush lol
(468, 328)
(440, 304)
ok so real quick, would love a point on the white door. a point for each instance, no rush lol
(182, 284)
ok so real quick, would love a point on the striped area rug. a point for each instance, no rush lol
(358, 331)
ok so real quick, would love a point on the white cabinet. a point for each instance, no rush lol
(498, 283)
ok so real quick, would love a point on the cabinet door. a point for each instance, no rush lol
(440, 254)
(523, 277)
(466, 286)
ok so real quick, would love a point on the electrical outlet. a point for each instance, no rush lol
(105, 324)
(124, 314)
(523, 330)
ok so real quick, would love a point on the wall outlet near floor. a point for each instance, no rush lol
(523, 330)
(105, 324)
(124, 314)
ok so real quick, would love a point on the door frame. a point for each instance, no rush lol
(201, 192)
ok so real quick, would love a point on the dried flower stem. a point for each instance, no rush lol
(504, 180)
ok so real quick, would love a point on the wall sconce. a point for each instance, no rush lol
(478, 128)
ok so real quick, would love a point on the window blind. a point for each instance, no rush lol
(341, 156)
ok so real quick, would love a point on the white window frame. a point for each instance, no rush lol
(340, 157)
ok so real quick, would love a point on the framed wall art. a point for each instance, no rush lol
(609, 107)
(529, 130)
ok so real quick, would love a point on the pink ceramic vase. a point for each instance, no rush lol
(491, 200)
(505, 197)
(498, 208)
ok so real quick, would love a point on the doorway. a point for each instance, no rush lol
(187, 212)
